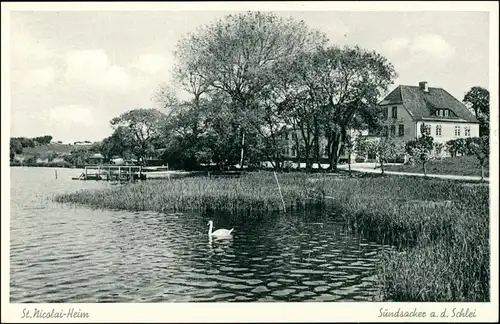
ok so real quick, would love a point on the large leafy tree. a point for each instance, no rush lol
(118, 144)
(142, 127)
(236, 55)
(345, 85)
(478, 101)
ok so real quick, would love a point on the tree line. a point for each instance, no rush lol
(250, 78)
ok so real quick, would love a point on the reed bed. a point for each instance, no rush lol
(440, 228)
(254, 192)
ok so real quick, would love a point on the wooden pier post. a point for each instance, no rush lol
(86, 173)
(119, 174)
(130, 173)
(99, 172)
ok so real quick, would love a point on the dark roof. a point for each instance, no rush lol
(422, 105)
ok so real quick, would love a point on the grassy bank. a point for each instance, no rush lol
(441, 228)
(460, 165)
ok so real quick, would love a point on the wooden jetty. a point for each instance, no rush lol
(112, 173)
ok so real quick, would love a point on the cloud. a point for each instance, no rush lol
(25, 47)
(93, 67)
(39, 77)
(431, 45)
(397, 44)
(428, 46)
(73, 114)
(150, 63)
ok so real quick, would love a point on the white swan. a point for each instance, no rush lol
(220, 232)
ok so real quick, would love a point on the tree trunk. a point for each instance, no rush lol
(336, 146)
(329, 149)
(308, 157)
(297, 149)
(482, 172)
(317, 152)
(242, 150)
(349, 162)
(425, 169)
(382, 166)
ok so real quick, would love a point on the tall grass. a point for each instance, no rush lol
(440, 227)
(254, 192)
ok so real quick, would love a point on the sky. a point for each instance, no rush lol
(72, 72)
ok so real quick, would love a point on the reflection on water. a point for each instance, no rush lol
(62, 253)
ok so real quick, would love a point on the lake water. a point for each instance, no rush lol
(63, 253)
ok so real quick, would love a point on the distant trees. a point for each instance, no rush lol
(478, 101)
(42, 140)
(18, 143)
(15, 148)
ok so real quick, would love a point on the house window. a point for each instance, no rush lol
(457, 130)
(446, 113)
(386, 112)
(286, 135)
(439, 112)
(294, 151)
(401, 130)
(467, 130)
(427, 130)
(439, 130)
(287, 150)
(395, 112)
(393, 130)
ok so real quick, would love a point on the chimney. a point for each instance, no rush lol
(423, 86)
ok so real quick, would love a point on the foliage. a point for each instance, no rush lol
(30, 142)
(421, 149)
(386, 149)
(15, 148)
(237, 54)
(140, 128)
(478, 100)
(344, 84)
(480, 147)
(275, 72)
(438, 149)
(362, 146)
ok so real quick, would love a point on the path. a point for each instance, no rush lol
(370, 168)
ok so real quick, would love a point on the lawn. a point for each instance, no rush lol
(460, 165)
(440, 228)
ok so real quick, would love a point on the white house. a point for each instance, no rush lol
(444, 116)
(407, 108)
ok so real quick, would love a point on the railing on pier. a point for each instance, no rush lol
(112, 172)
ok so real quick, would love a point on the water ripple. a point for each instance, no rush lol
(62, 253)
